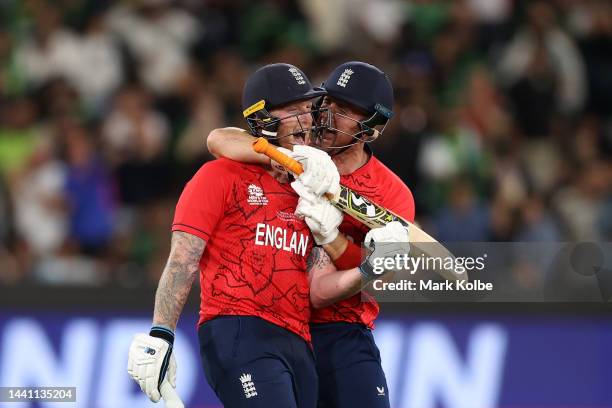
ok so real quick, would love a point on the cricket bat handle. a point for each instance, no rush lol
(171, 398)
(261, 145)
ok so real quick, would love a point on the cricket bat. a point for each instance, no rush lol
(368, 212)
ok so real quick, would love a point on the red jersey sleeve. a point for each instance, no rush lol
(397, 197)
(202, 202)
(401, 202)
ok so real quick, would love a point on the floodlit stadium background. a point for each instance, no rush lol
(503, 131)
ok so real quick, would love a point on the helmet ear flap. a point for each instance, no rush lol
(261, 122)
(371, 133)
(381, 116)
(368, 126)
(268, 123)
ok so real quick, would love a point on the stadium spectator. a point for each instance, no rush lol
(50, 51)
(542, 49)
(39, 202)
(464, 218)
(19, 135)
(135, 138)
(89, 193)
(159, 37)
(206, 114)
(96, 51)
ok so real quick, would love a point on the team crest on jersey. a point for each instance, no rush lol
(256, 195)
(248, 386)
(344, 78)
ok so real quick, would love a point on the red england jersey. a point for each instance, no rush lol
(254, 263)
(380, 185)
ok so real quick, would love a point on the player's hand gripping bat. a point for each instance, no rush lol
(367, 212)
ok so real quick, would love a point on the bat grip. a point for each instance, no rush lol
(261, 145)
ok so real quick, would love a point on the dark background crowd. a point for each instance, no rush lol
(502, 126)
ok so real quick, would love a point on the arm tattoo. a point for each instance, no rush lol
(176, 280)
(318, 259)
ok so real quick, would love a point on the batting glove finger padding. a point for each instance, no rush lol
(392, 232)
(319, 214)
(150, 358)
(320, 174)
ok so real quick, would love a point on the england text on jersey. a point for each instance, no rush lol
(276, 237)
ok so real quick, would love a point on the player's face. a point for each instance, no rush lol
(295, 124)
(340, 121)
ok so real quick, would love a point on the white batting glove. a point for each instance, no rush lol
(150, 360)
(392, 232)
(384, 242)
(321, 217)
(320, 174)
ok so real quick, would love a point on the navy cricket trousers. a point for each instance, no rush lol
(349, 367)
(252, 363)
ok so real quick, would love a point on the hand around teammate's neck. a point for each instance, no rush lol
(351, 159)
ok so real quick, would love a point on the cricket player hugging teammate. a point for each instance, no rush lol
(280, 268)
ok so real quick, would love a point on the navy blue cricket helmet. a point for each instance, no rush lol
(364, 86)
(271, 86)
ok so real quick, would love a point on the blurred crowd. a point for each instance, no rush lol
(502, 126)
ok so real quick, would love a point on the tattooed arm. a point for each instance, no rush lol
(176, 280)
(151, 362)
(328, 285)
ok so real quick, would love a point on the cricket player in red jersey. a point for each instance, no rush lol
(254, 312)
(356, 110)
